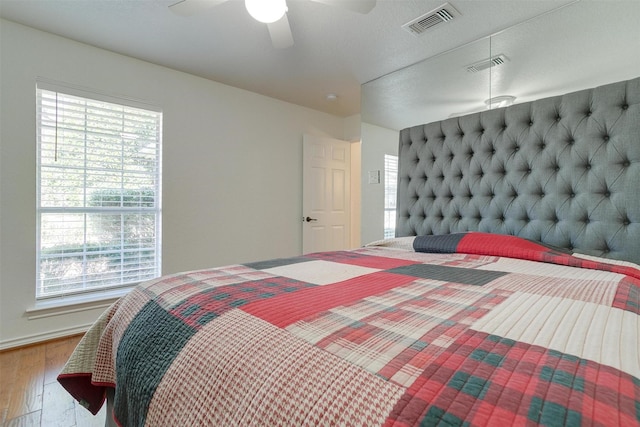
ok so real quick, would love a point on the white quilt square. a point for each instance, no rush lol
(321, 272)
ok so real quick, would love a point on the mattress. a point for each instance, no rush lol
(463, 329)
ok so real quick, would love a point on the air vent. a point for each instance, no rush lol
(439, 15)
(487, 63)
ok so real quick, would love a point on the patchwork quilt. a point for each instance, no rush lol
(467, 329)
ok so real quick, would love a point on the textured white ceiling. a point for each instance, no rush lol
(582, 45)
(335, 50)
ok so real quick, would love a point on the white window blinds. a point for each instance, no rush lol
(390, 185)
(99, 210)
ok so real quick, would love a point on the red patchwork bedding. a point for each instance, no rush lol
(467, 329)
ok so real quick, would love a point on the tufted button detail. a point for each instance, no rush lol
(530, 122)
(589, 113)
(533, 172)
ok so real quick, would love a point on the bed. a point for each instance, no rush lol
(510, 296)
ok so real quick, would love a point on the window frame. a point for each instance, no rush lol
(390, 194)
(155, 212)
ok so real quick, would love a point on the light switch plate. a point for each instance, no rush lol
(374, 177)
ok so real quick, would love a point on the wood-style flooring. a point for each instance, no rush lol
(30, 394)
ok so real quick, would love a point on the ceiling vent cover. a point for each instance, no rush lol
(487, 63)
(439, 15)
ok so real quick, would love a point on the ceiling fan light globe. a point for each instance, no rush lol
(266, 11)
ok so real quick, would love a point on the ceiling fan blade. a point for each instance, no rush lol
(360, 6)
(280, 32)
(193, 7)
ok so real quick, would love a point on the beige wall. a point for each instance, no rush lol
(232, 167)
(376, 142)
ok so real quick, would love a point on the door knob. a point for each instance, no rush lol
(309, 219)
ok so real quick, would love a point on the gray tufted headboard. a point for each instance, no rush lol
(564, 171)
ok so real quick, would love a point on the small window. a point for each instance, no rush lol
(98, 187)
(390, 185)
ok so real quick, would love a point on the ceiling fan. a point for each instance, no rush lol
(271, 12)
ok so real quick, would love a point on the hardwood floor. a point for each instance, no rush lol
(30, 394)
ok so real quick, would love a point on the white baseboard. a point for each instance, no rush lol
(36, 338)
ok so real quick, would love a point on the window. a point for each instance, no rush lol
(98, 187)
(390, 185)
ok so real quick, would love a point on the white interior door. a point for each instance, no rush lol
(326, 200)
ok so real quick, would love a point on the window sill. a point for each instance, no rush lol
(74, 303)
